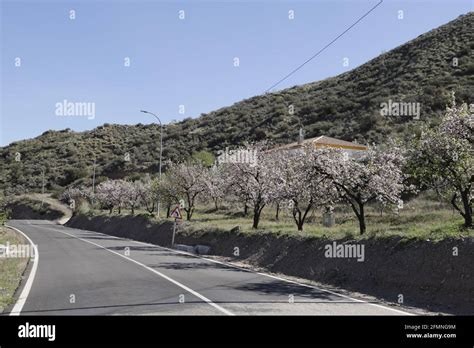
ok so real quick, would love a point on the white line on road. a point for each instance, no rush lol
(29, 283)
(205, 299)
(231, 265)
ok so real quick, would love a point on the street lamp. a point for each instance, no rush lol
(42, 187)
(93, 178)
(93, 183)
(161, 150)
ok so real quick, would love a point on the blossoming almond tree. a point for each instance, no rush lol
(132, 194)
(238, 189)
(442, 159)
(216, 184)
(300, 186)
(73, 195)
(184, 181)
(106, 194)
(256, 180)
(148, 192)
(375, 175)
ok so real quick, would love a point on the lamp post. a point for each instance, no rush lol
(161, 151)
(93, 182)
(42, 187)
(93, 178)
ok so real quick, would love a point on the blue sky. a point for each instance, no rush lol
(186, 62)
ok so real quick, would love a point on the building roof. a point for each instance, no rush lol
(324, 141)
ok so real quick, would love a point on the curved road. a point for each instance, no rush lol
(88, 273)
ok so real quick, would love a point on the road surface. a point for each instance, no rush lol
(82, 272)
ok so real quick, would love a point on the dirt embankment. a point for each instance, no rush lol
(38, 207)
(436, 276)
(22, 211)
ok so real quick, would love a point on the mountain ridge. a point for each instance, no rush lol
(346, 106)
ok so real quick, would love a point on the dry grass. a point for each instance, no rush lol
(419, 219)
(11, 269)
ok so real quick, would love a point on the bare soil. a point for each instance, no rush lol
(29, 207)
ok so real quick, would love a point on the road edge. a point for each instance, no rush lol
(251, 270)
(269, 275)
(26, 287)
(179, 284)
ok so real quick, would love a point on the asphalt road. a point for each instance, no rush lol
(88, 273)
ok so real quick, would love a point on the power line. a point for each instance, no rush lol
(324, 48)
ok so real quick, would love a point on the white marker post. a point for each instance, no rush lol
(174, 232)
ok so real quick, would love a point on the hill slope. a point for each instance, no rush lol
(346, 106)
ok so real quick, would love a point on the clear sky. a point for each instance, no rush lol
(188, 61)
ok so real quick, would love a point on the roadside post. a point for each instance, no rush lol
(328, 217)
(176, 213)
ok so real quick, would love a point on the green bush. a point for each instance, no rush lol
(3, 218)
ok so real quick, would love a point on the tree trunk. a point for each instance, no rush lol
(361, 218)
(467, 213)
(298, 220)
(300, 225)
(246, 209)
(277, 215)
(256, 215)
(168, 210)
(189, 213)
(216, 203)
(356, 203)
(301, 215)
(256, 219)
(467, 208)
(152, 209)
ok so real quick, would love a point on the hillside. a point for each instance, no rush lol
(346, 106)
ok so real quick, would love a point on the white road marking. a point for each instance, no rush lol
(229, 264)
(29, 283)
(191, 291)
